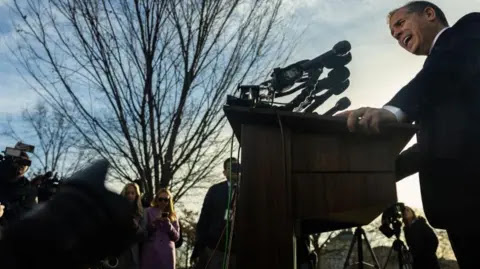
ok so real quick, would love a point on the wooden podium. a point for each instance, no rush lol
(305, 173)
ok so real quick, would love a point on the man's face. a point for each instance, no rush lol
(228, 172)
(22, 169)
(414, 31)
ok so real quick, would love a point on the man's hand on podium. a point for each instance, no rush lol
(367, 119)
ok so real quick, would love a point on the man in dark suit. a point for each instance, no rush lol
(444, 101)
(211, 231)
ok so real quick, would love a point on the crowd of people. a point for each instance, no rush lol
(155, 223)
(158, 227)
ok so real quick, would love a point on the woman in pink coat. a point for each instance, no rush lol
(158, 252)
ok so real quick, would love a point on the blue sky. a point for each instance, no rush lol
(378, 70)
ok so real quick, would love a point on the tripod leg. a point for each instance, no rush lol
(400, 259)
(405, 262)
(358, 234)
(388, 258)
(349, 252)
(377, 264)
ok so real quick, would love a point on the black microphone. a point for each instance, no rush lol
(340, 48)
(335, 79)
(284, 78)
(338, 61)
(341, 104)
(335, 90)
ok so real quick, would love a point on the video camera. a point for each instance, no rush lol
(47, 185)
(13, 159)
(392, 220)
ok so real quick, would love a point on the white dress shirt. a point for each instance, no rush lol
(397, 111)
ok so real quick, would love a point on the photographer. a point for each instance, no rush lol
(17, 194)
(421, 240)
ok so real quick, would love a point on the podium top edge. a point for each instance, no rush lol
(238, 116)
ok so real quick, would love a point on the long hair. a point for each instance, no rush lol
(170, 208)
(138, 198)
(411, 210)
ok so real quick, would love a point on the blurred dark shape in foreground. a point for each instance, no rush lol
(83, 223)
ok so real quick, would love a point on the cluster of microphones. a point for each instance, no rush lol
(302, 77)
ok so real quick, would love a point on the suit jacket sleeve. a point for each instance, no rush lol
(408, 162)
(202, 225)
(443, 73)
(431, 240)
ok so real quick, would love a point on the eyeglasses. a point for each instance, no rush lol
(163, 199)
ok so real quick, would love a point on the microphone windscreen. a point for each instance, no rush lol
(339, 74)
(343, 103)
(342, 47)
(339, 88)
(337, 61)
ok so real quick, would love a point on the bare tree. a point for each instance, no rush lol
(188, 225)
(144, 81)
(57, 147)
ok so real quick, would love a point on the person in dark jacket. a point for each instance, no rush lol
(17, 194)
(421, 240)
(130, 259)
(443, 99)
(211, 232)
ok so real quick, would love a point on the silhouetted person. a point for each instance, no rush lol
(83, 223)
(209, 249)
(421, 240)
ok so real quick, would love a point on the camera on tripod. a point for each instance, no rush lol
(392, 225)
(392, 220)
(13, 160)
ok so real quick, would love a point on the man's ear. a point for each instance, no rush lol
(430, 14)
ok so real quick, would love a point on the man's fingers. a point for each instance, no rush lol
(374, 123)
(364, 122)
(353, 118)
(344, 114)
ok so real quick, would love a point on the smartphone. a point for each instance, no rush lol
(165, 214)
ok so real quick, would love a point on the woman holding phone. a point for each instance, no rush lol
(158, 251)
